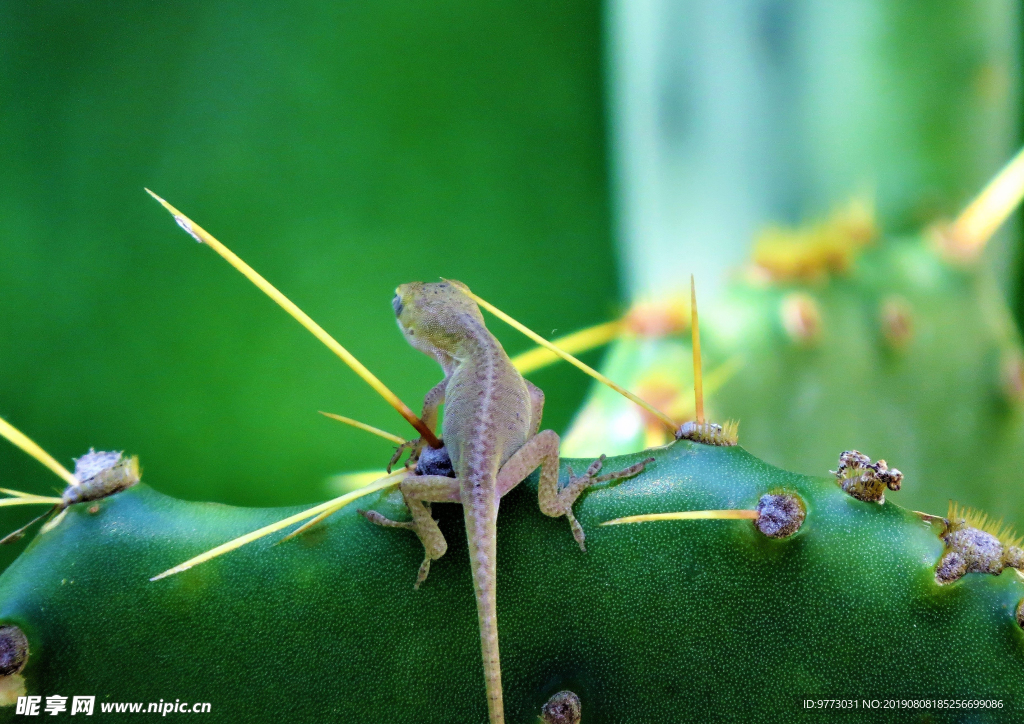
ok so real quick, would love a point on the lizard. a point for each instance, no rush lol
(492, 436)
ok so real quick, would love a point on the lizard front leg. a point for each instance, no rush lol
(419, 492)
(431, 402)
(542, 450)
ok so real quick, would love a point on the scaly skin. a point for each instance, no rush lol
(491, 423)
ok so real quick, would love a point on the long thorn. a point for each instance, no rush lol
(698, 384)
(20, 494)
(582, 341)
(19, 438)
(688, 515)
(347, 482)
(385, 482)
(570, 359)
(363, 426)
(987, 212)
(714, 381)
(201, 235)
(26, 499)
(309, 524)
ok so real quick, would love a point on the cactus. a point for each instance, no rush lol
(656, 622)
(897, 350)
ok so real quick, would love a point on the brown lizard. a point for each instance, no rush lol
(493, 439)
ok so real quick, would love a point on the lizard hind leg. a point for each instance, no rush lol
(419, 492)
(577, 485)
(374, 517)
(434, 544)
(542, 450)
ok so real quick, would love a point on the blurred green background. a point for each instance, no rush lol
(341, 149)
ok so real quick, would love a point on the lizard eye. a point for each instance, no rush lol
(398, 306)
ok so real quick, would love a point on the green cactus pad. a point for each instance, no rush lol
(657, 622)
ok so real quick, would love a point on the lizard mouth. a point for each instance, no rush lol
(398, 305)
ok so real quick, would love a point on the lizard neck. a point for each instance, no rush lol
(475, 341)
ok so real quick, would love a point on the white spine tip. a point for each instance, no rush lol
(187, 226)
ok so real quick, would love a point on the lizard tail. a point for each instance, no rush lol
(481, 517)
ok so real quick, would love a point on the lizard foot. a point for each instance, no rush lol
(424, 571)
(578, 485)
(374, 517)
(434, 546)
(627, 472)
(414, 446)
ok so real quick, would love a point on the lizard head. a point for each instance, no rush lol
(434, 317)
